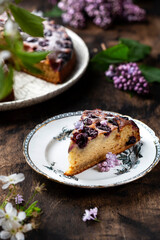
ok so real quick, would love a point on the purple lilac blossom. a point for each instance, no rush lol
(19, 199)
(73, 12)
(90, 214)
(133, 13)
(128, 77)
(110, 162)
(102, 12)
(79, 125)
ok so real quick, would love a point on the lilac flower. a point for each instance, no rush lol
(90, 214)
(102, 12)
(79, 125)
(110, 162)
(73, 12)
(128, 77)
(132, 12)
(19, 199)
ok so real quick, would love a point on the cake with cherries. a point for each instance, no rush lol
(97, 133)
(60, 61)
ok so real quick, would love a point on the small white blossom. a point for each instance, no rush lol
(12, 179)
(4, 55)
(11, 214)
(11, 28)
(14, 230)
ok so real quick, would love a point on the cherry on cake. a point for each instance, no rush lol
(96, 134)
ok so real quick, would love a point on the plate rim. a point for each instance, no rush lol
(20, 103)
(92, 186)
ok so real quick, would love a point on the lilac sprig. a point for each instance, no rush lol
(102, 12)
(73, 12)
(111, 161)
(19, 199)
(90, 214)
(129, 77)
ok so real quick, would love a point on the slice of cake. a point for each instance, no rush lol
(97, 133)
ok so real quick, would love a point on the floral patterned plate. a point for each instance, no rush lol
(46, 151)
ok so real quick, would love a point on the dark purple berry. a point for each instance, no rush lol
(131, 140)
(113, 122)
(59, 43)
(87, 121)
(43, 43)
(103, 127)
(64, 56)
(48, 33)
(81, 139)
(91, 132)
(32, 40)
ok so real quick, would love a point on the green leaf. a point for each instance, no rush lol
(55, 12)
(31, 209)
(6, 82)
(151, 74)
(31, 57)
(113, 55)
(137, 50)
(27, 21)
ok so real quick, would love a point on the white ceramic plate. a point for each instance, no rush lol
(30, 90)
(46, 151)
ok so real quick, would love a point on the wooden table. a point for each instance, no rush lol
(128, 212)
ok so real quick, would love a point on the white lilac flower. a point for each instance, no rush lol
(14, 230)
(90, 214)
(10, 214)
(11, 28)
(11, 179)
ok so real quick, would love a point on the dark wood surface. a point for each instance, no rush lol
(128, 212)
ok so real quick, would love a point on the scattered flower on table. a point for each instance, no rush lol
(19, 199)
(90, 214)
(14, 230)
(11, 179)
(18, 220)
(111, 161)
(10, 214)
(129, 77)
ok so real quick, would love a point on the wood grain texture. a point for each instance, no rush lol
(127, 212)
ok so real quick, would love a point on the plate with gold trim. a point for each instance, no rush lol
(46, 151)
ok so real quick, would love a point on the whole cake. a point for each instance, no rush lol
(97, 133)
(60, 61)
